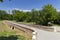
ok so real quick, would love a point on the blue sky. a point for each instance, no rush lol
(28, 4)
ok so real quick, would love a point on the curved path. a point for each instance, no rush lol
(41, 34)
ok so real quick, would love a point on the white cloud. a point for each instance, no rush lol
(58, 10)
(21, 10)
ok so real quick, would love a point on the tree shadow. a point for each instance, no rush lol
(13, 37)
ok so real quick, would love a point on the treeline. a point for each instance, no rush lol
(47, 14)
(5, 16)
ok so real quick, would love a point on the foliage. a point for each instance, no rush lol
(47, 14)
(3, 0)
(5, 16)
(57, 20)
(18, 15)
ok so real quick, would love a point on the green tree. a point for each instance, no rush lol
(49, 14)
(4, 15)
(57, 20)
(28, 17)
(3, 0)
(18, 15)
(34, 14)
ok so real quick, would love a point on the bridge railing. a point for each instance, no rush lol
(24, 29)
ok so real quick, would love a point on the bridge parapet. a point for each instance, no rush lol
(24, 29)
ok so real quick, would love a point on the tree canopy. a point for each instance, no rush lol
(3, 0)
(47, 14)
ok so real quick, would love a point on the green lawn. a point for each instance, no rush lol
(8, 34)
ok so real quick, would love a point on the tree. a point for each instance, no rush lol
(34, 15)
(18, 15)
(48, 14)
(4, 15)
(28, 17)
(3, 0)
(57, 20)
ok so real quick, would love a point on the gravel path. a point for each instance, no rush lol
(41, 34)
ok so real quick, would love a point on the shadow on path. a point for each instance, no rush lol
(13, 37)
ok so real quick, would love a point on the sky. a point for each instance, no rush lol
(28, 4)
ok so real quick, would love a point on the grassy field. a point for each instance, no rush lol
(6, 33)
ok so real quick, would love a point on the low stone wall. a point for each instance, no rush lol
(27, 30)
(47, 28)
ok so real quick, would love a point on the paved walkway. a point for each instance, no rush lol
(41, 34)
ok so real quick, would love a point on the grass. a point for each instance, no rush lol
(10, 36)
(28, 22)
(6, 33)
(56, 24)
(31, 23)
